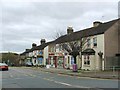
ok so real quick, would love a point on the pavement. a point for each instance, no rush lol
(90, 74)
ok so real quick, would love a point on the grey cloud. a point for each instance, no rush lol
(27, 22)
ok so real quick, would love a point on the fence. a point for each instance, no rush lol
(112, 63)
(112, 67)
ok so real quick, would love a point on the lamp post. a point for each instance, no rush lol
(100, 53)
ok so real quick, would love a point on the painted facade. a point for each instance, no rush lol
(104, 39)
(94, 62)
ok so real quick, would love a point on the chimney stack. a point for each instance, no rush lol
(43, 41)
(96, 23)
(69, 30)
(27, 50)
(34, 45)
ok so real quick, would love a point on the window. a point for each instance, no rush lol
(40, 52)
(52, 49)
(57, 46)
(60, 48)
(86, 60)
(95, 41)
(88, 42)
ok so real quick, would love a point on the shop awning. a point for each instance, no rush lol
(88, 51)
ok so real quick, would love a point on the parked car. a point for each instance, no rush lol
(3, 66)
(29, 64)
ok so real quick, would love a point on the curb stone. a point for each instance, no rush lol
(98, 77)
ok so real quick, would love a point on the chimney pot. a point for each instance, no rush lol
(96, 23)
(27, 49)
(34, 45)
(69, 30)
(43, 41)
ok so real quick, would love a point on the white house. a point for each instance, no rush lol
(101, 50)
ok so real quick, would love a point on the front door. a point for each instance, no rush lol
(55, 58)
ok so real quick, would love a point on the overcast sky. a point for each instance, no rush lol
(28, 21)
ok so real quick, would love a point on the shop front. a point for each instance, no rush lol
(56, 60)
(40, 60)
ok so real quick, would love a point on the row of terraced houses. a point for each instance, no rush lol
(101, 50)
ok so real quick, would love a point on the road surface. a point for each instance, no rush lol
(24, 77)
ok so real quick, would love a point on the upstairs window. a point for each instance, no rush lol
(60, 48)
(41, 53)
(51, 49)
(95, 41)
(88, 42)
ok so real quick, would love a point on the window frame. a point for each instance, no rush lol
(88, 42)
(87, 60)
(95, 42)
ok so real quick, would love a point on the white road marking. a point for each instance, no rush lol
(70, 85)
(11, 76)
(46, 72)
(63, 83)
(62, 75)
(32, 75)
(48, 79)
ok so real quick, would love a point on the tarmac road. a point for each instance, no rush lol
(25, 77)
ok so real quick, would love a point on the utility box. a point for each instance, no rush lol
(75, 68)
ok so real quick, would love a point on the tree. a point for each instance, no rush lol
(10, 58)
(74, 48)
(58, 34)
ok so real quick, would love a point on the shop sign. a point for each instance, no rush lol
(40, 52)
(51, 54)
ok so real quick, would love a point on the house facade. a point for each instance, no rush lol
(40, 54)
(112, 45)
(94, 61)
(56, 56)
(24, 57)
(99, 51)
(37, 55)
(105, 45)
(67, 60)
